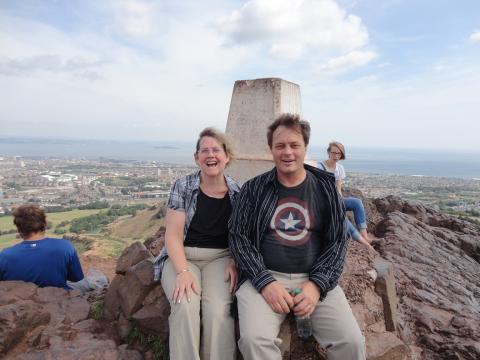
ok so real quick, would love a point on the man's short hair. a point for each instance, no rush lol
(29, 219)
(292, 121)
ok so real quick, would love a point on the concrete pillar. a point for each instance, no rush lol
(254, 106)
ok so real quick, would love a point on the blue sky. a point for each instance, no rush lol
(390, 73)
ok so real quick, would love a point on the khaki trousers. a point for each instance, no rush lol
(218, 335)
(334, 326)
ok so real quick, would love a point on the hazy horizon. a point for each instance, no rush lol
(191, 143)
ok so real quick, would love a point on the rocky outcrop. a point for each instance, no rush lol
(417, 298)
(133, 299)
(52, 323)
(437, 270)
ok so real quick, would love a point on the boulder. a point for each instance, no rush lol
(52, 323)
(155, 243)
(153, 315)
(135, 286)
(385, 288)
(112, 299)
(131, 256)
(17, 320)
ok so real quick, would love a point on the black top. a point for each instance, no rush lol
(296, 236)
(209, 226)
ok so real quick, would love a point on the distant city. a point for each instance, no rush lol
(438, 163)
(60, 184)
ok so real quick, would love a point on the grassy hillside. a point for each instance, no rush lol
(141, 226)
(6, 222)
(11, 239)
(110, 241)
(127, 230)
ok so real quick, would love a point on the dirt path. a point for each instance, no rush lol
(105, 264)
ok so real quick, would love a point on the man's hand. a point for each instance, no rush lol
(277, 297)
(231, 275)
(307, 300)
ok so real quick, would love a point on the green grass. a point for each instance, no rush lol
(6, 222)
(96, 310)
(110, 241)
(10, 239)
(7, 240)
(150, 342)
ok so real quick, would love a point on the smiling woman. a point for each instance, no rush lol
(195, 264)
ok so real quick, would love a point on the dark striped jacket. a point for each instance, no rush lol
(251, 216)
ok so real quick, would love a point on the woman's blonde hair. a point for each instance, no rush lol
(338, 145)
(220, 137)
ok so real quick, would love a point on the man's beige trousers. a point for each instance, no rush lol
(334, 326)
(217, 326)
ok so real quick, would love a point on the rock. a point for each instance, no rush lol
(386, 346)
(437, 277)
(17, 320)
(112, 299)
(126, 354)
(77, 309)
(155, 243)
(84, 346)
(153, 316)
(51, 323)
(124, 327)
(12, 291)
(131, 256)
(385, 287)
(135, 287)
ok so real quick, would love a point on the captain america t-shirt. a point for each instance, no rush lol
(296, 233)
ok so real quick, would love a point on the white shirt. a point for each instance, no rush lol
(339, 170)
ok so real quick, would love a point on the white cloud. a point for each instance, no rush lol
(475, 37)
(155, 89)
(290, 28)
(77, 66)
(426, 110)
(134, 18)
(351, 60)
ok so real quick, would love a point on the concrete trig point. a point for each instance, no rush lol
(254, 106)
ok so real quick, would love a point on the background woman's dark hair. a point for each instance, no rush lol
(29, 219)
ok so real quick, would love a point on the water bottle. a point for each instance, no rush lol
(304, 325)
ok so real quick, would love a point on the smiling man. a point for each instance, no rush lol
(287, 233)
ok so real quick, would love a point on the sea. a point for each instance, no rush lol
(414, 162)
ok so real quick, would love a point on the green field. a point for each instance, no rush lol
(6, 222)
(109, 241)
(7, 240)
(10, 239)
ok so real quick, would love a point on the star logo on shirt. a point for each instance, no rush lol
(291, 222)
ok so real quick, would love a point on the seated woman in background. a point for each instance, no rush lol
(38, 259)
(195, 265)
(336, 152)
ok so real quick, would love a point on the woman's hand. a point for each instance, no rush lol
(231, 274)
(185, 284)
